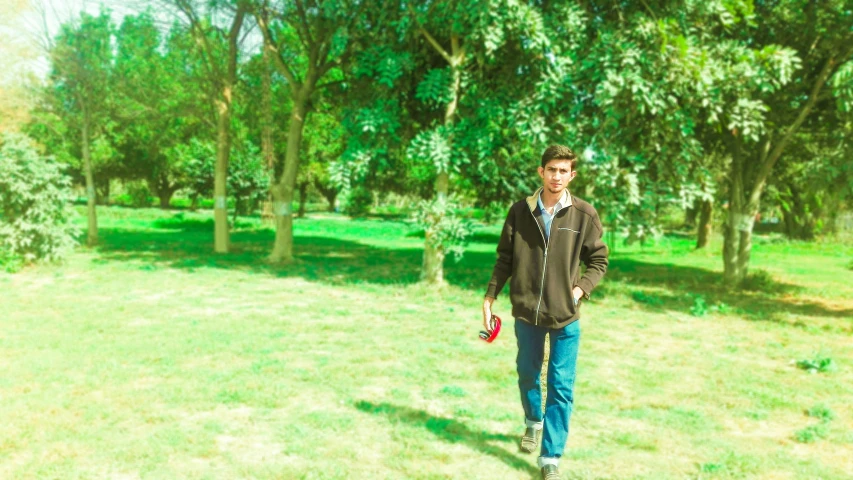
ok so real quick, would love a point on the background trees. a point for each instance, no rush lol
(739, 105)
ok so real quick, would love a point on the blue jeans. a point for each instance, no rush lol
(562, 361)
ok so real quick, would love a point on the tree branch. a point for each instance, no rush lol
(770, 160)
(233, 41)
(270, 45)
(305, 24)
(429, 37)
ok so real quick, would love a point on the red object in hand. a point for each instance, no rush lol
(496, 329)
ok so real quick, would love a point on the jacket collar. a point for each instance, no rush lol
(565, 200)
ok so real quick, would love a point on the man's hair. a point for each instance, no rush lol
(559, 152)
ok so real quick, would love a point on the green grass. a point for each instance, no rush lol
(150, 357)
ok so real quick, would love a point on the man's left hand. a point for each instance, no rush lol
(577, 293)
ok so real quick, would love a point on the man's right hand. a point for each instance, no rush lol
(487, 313)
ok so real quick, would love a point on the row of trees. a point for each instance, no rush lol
(682, 102)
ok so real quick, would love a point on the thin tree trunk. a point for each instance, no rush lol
(92, 232)
(220, 173)
(706, 213)
(690, 215)
(303, 193)
(329, 193)
(267, 146)
(164, 194)
(737, 219)
(433, 264)
(283, 190)
(222, 104)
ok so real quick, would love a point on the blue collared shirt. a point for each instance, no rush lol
(546, 217)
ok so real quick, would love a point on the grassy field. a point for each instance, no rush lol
(150, 357)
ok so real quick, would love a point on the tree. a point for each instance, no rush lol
(218, 47)
(306, 43)
(760, 76)
(81, 61)
(474, 41)
(161, 87)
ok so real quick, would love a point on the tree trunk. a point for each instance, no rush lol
(706, 210)
(267, 146)
(737, 233)
(165, 196)
(194, 202)
(220, 173)
(329, 193)
(282, 192)
(434, 252)
(303, 193)
(92, 232)
(103, 193)
(738, 246)
(237, 207)
(690, 215)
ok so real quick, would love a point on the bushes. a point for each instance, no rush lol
(358, 202)
(35, 205)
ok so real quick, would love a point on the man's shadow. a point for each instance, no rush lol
(451, 431)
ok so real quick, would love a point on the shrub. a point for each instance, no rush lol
(700, 307)
(358, 202)
(820, 363)
(760, 281)
(35, 205)
(812, 433)
(140, 194)
(10, 262)
(821, 412)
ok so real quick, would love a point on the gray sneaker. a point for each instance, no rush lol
(550, 472)
(530, 440)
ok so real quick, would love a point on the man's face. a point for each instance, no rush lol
(556, 175)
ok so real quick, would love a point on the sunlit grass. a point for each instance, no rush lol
(150, 357)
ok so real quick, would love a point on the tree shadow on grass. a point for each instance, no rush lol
(187, 244)
(685, 283)
(451, 431)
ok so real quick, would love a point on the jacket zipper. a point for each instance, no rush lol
(545, 263)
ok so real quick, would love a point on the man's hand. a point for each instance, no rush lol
(487, 313)
(577, 294)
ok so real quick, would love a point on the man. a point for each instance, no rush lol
(544, 240)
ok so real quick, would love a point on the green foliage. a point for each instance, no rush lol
(812, 433)
(433, 149)
(358, 202)
(35, 210)
(195, 161)
(819, 364)
(442, 225)
(139, 195)
(722, 308)
(435, 89)
(700, 307)
(248, 179)
(759, 281)
(10, 262)
(382, 63)
(821, 412)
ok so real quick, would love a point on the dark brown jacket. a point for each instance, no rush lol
(544, 273)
